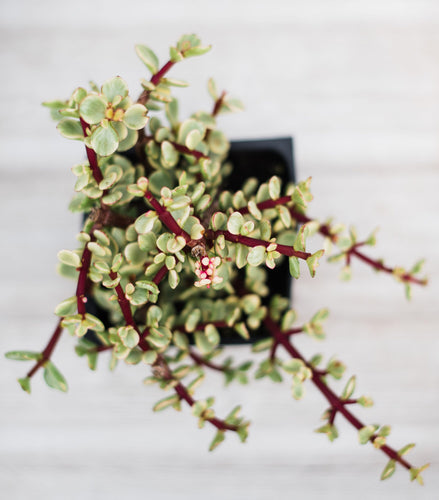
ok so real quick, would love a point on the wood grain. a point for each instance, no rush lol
(357, 85)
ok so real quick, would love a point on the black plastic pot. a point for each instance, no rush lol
(262, 158)
(252, 158)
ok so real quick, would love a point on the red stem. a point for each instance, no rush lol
(293, 331)
(124, 304)
(199, 360)
(47, 352)
(91, 155)
(219, 424)
(325, 230)
(218, 104)
(167, 218)
(185, 150)
(379, 266)
(155, 80)
(161, 273)
(335, 402)
(267, 204)
(81, 287)
(179, 388)
(254, 242)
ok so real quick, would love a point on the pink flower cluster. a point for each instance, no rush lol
(205, 269)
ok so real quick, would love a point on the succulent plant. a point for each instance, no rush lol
(175, 258)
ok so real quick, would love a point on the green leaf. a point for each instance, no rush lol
(97, 249)
(170, 155)
(349, 388)
(92, 109)
(212, 334)
(25, 384)
(145, 222)
(175, 244)
(192, 320)
(134, 254)
(256, 255)
(149, 357)
(114, 87)
(389, 469)
(69, 258)
(166, 402)
(148, 57)
(313, 262)
(212, 89)
(365, 401)
(415, 473)
(329, 430)
(298, 391)
(129, 141)
(366, 432)
(173, 279)
(274, 187)
(218, 143)
(193, 138)
(67, 306)
(104, 140)
(293, 365)
(262, 345)
(54, 378)
(294, 267)
(186, 128)
(130, 338)
(23, 355)
(108, 181)
(196, 51)
(288, 320)
(203, 343)
(406, 449)
(235, 222)
(197, 231)
(159, 337)
(71, 129)
(320, 315)
(135, 116)
(219, 438)
(181, 341)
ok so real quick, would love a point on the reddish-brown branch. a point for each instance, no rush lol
(167, 373)
(47, 352)
(167, 218)
(92, 156)
(218, 423)
(268, 204)
(293, 331)
(254, 242)
(379, 266)
(161, 273)
(199, 360)
(218, 104)
(81, 287)
(155, 80)
(185, 150)
(337, 405)
(325, 230)
(124, 304)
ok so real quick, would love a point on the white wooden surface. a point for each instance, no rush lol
(357, 85)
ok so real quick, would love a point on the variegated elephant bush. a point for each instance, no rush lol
(175, 258)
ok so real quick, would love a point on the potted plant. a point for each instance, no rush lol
(178, 249)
